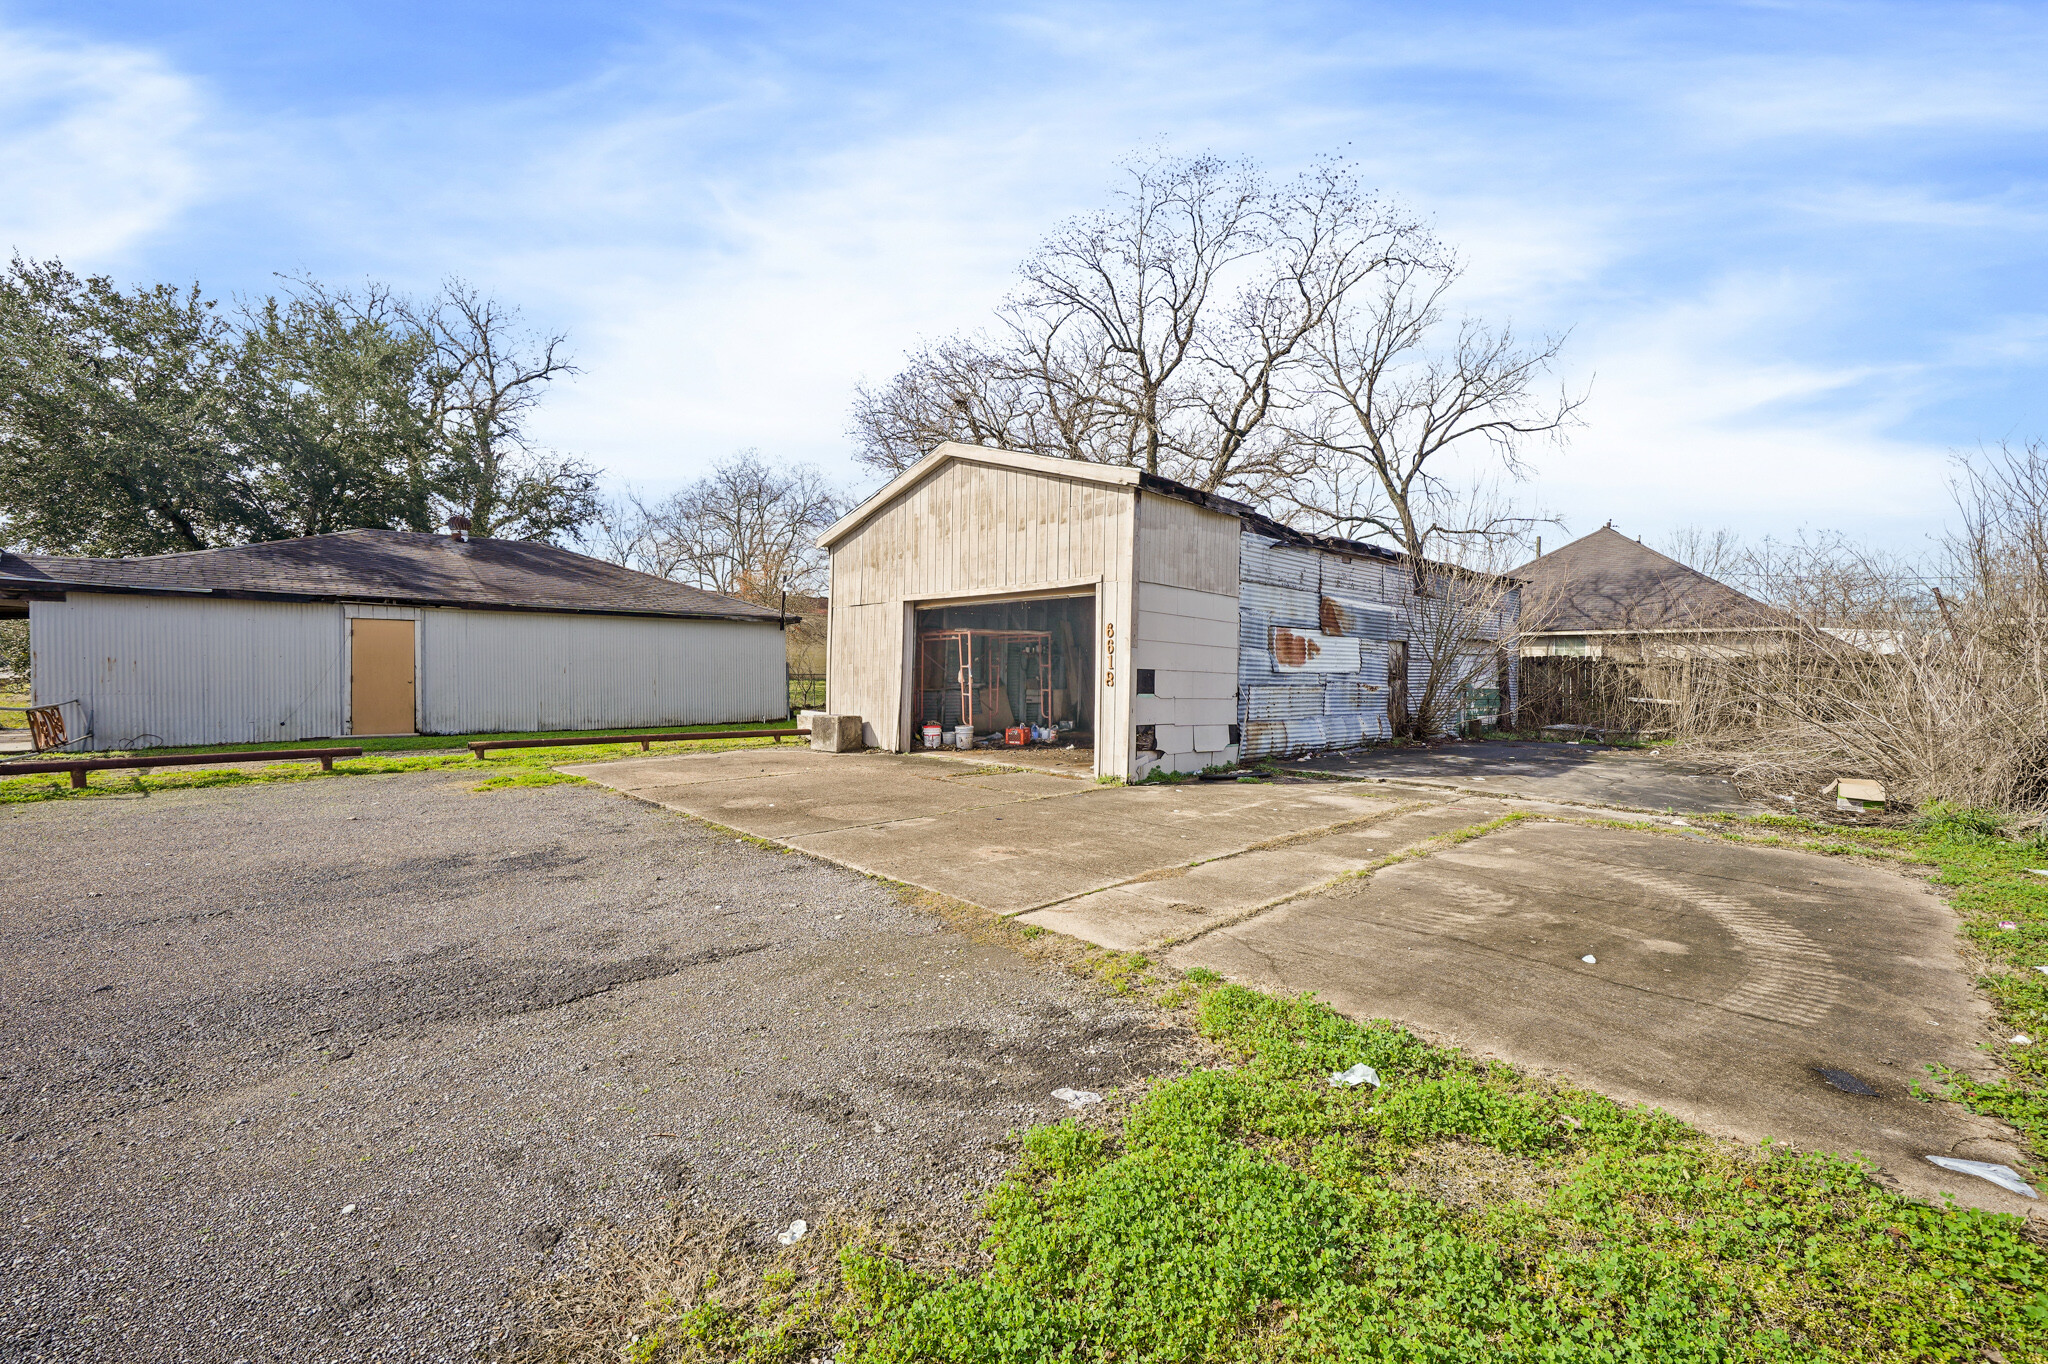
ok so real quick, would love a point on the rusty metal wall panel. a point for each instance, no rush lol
(1262, 561)
(1365, 579)
(1354, 615)
(154, 671)
(1307, 651)
(1342, 696)
(1282, 703)
(1361, 603)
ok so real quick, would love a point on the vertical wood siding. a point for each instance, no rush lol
(971, 529)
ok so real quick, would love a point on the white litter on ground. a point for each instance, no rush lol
(2022, 1040)
(1360, 1074)
(1588, 959)
(347, 1208)
(795, 1233)
(1077, 1098)
(2004, 1176)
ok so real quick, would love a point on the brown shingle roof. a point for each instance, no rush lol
(1606, 581)
(388, 566)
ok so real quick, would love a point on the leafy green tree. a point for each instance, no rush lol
(113, 415)
(327, 420)
(145, 422)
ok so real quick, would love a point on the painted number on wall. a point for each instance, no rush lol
(1109, 647)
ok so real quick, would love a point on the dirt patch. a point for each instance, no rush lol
(1464, 1176)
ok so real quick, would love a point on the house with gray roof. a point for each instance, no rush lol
(379, 632)
(1607, 596)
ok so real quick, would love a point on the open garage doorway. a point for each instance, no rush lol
(1016, 675)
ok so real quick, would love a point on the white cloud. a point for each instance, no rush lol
(95, 146)
(1697, 418)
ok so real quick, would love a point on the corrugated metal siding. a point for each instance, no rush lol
(175, 670)
(482, 671)
(1303, 589)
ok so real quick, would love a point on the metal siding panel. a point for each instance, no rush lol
(1262, 561)
(1317, 653)
(1363, 617)
(490, 671)
(178, 670)
(1282, 703)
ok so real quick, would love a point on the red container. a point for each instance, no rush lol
(1016, 736)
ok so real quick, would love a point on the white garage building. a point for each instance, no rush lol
(382, 632)
(1164, 626)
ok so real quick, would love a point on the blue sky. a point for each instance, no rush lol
(1800, 247)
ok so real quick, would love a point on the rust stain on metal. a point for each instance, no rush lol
(1331, 618)
(1291, 649)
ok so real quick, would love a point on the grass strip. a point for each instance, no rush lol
(505, 768)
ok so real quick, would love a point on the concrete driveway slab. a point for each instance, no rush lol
(1053, 849)
(1585, 773)
(1168, 906)
(1724, 979)
(806, 792)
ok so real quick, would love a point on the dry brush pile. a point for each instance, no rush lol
(1932, 678)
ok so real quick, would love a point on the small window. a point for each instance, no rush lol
(1234, 735)
(1148, 738)
(1145, 682)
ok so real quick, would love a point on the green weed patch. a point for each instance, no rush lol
(1259, 1213)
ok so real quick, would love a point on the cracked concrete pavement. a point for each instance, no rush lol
(1725, 978)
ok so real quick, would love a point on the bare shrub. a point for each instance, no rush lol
(1932, 679)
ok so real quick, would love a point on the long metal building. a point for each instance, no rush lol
(373, 632)
(1102, 607)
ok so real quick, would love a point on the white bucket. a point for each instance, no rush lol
(963, 737)
(931, 736)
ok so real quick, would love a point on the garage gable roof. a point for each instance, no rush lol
(1080, 470)
(401, 567)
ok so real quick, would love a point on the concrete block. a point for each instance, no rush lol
(1213, 686)
(836, 733)
(1187, 658)
(1198, 710)
(1184, 601)
(1163, 628)
(1212, 737)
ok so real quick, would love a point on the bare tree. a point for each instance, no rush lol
(1162, 332)
(490, 373)
(1716, 553)
(1397, 390)
(748, 529)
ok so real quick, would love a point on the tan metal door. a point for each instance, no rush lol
(1397, 686)
(380, 677)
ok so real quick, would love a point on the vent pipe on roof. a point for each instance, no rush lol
(458, 526)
